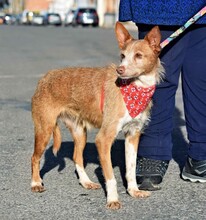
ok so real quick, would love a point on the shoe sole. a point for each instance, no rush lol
(148, 185)
(154, 178)
(192, 178)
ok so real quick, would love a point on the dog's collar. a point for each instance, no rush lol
(136, 98)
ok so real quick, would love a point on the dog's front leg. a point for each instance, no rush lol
(104, 142)
(131, 147)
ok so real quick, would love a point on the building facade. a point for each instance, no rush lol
(36, 5)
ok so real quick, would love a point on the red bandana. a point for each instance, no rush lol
(135, 97)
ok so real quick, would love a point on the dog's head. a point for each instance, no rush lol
(138, 57)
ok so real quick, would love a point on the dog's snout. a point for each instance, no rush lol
(120, 70)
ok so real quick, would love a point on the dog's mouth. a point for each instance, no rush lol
(135, 75)
(125, 77)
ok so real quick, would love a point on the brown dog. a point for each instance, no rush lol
(101, 98)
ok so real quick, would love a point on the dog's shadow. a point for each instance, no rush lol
(90, 156)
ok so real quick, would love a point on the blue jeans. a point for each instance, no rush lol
(185, 55)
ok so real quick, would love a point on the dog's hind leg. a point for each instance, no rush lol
(44, 127)
(131, 146)
(57, 139)
(79, 135)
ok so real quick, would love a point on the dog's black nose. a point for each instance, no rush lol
(120, 70)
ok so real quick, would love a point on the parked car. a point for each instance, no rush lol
(26, 18)
(9, 19)
(38, 20)
(52, 19)
(69, 17)
(85, 16)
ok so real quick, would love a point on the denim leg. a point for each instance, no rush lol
(156, 141)
(194, 93)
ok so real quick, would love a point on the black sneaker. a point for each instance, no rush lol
(150, 172)
(194, 170)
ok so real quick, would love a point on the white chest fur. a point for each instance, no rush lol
(127, 124)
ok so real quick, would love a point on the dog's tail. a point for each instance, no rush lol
(57, 139)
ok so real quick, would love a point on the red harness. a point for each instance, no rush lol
(136, 98)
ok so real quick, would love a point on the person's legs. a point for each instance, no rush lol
(156, 141)
(194, 96)
(155, 148)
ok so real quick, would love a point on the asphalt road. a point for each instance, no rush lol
(26, 53)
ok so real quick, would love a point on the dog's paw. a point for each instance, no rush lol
(37, 187)
(114, 205)
(139, 193)
(91, 185)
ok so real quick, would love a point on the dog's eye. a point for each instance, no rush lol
(122, 56)
(138, 55)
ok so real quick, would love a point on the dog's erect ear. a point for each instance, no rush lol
(154, 38)
(122, 35)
